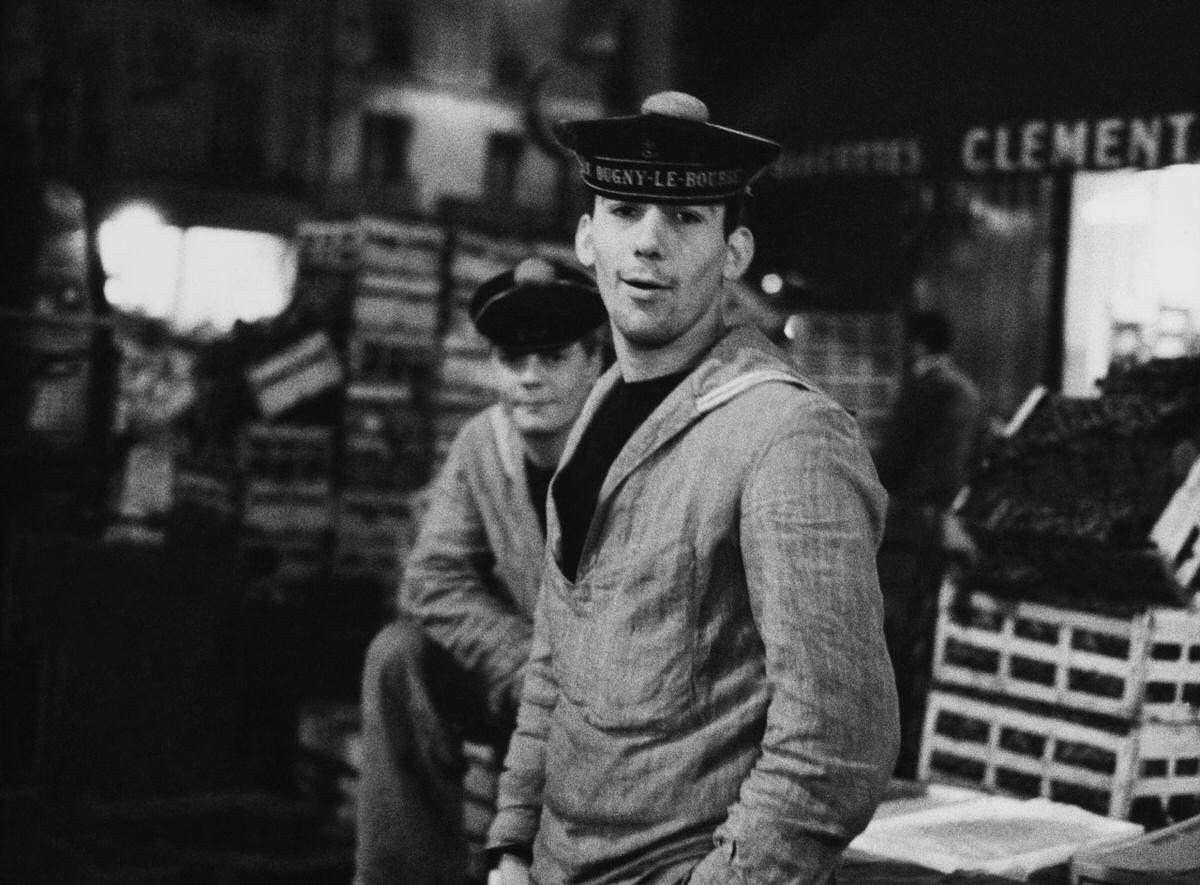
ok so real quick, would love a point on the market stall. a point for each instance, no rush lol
(985, 160)
(1033, 170)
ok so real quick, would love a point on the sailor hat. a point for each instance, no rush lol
(538, 305)
(669, 153)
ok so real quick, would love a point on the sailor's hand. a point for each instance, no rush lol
(512, 870)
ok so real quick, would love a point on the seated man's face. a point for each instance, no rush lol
(544, 390)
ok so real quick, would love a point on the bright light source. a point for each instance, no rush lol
(233, 275)
(772, 283)
(140, 254)
(1132, 261)
(135, 216)
(1122, 200)
(122, 236)
(199, 277)
(791, 329)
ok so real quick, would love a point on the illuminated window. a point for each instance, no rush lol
(1133, 274)
(196, 277)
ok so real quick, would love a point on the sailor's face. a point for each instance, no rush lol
(544, 390)
(660, 267)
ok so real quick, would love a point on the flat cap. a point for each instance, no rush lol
(539, 304)
(668, 153)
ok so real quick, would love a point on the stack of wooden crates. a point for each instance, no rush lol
(392, 350)
(1040, 700)
(1067, 664)
(416, 370)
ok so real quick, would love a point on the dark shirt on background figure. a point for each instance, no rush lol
(929, 448)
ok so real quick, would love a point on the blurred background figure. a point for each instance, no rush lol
(929, 447)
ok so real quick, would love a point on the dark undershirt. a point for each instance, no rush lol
(537, 481)
(623, 411)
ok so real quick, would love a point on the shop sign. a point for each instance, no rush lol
(1097, 144)
(1033, 145)
(874, 157)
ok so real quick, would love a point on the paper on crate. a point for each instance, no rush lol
(993, 834)
(303, 370)
(1170, 855)
(1177, 532)
(906, 796)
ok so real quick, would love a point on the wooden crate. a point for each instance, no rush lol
(286, 459)
(404, 247)
(275, 513)
(375, 514)
(386, 439)
(1146, 666)
(374, 532)
(329, 245)
(407, 308)
(1120, 768)
(299, 556)
(386, 359)
(214, 495)
(352, 558)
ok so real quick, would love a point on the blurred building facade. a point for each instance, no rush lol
(226, 110)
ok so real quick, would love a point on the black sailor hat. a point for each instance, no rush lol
(538, 305)
(669, 153)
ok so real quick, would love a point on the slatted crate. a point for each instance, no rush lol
(329, 245)
(406, 307)
(286, 458)
(379, 460)
(386, 438)
(386, 360)
(466, 379)
(297, 555)
(449, 420)
(406, 248)
(381, 563)
(478, 257)
(1145, 666)
(280, 512)
(381, 408)
(373, 533)
(208, 493)
(855, 358)
(378, 517)
(1142, 770)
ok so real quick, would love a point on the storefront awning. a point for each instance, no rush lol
(935, 89)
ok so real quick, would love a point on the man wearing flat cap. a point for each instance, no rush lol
(450, 666)
(709, 697)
